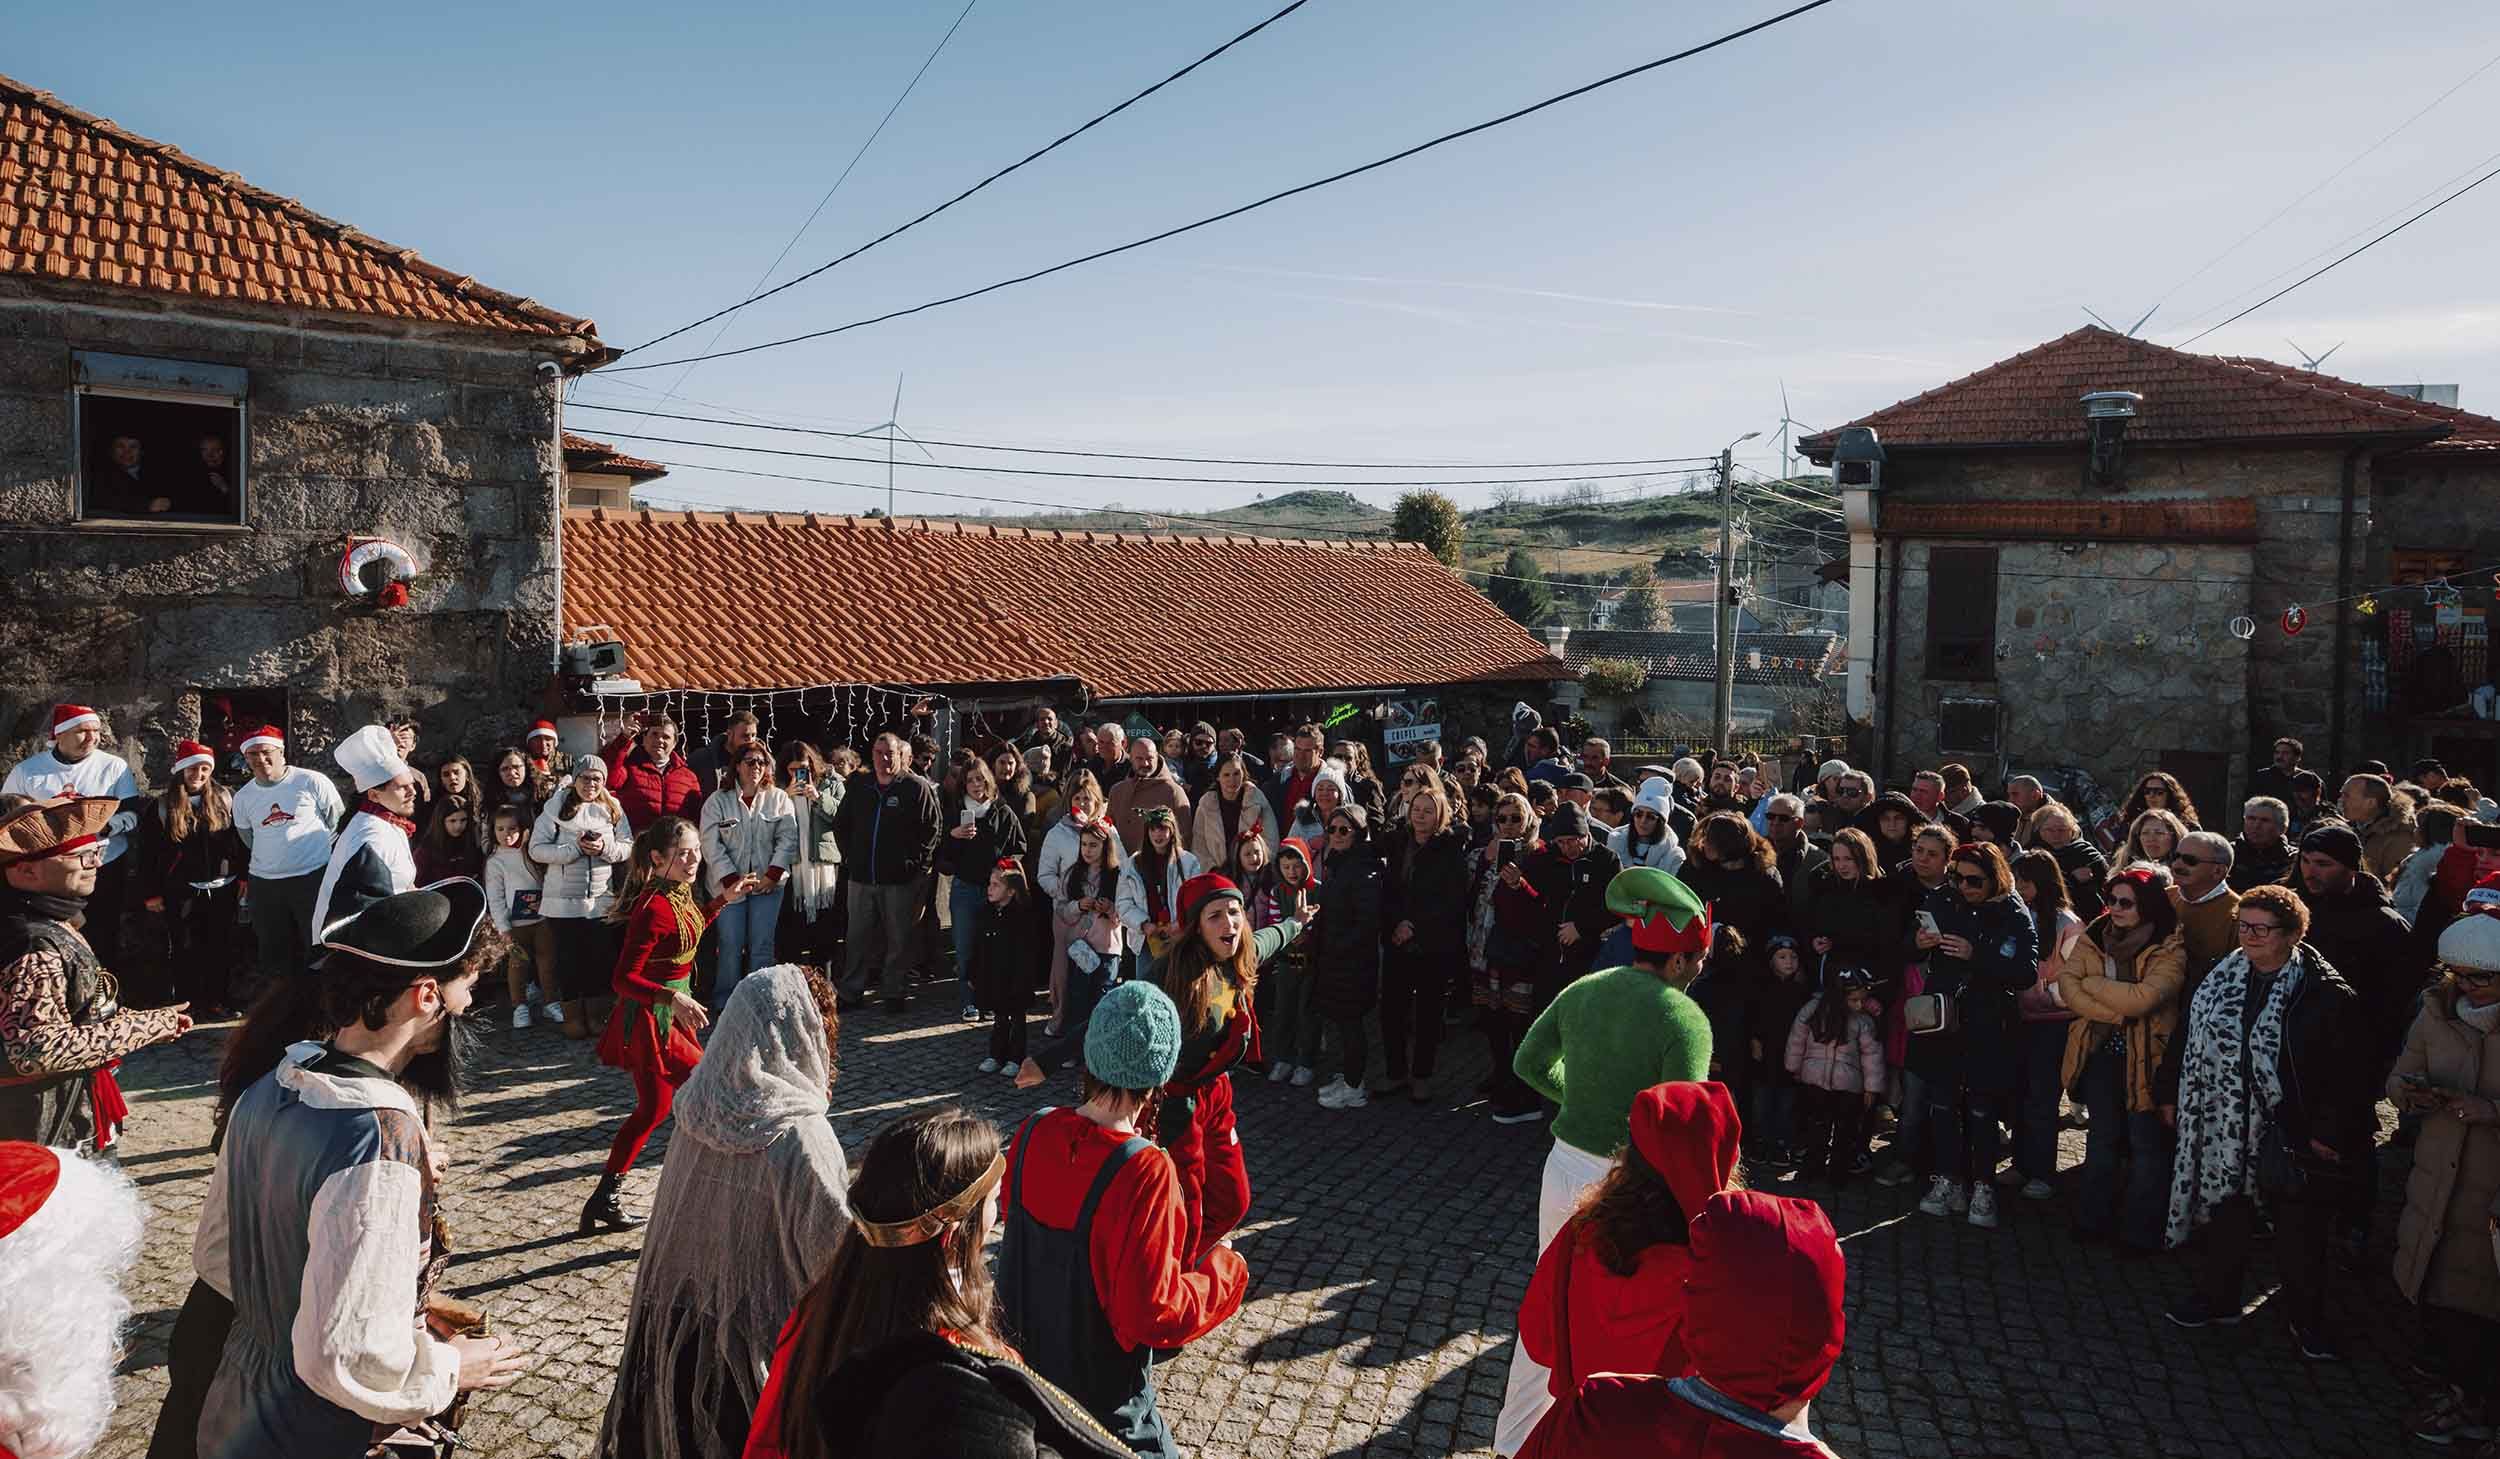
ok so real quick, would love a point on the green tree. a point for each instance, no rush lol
(1640, 599)
(1432, 519)
(1520, 591)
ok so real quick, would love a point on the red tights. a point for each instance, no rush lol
(653, 1093)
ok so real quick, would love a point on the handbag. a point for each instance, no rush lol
(2290, 1172)
(1931, 1013)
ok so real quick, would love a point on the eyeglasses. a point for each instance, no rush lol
(1341, 829)
(2259, 929)
(1970, 881)
(1778, 816)
(2127, 904)
(1848, 792)
(90, 858)
(1512, 819)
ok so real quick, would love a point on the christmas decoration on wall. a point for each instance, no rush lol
(2295, 618)
(376, 571)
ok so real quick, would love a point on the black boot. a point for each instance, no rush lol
(603, 1208)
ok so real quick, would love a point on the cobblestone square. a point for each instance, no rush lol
(1389, 1248)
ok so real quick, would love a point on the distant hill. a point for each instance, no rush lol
(1319, 513)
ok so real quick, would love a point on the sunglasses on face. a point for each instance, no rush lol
(1779, 816)
(1848, 793)
(1511, 819)
(2122, 904)
(2181, 858)
(1967, 880)
(1341, 829)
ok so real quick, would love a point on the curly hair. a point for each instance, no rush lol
(2181, 804)
(2286, 908)
(1730, 838)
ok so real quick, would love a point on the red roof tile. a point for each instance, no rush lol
(2034, 399)
(711, 601)
(2230, 519)
(581, 453)
(83, 201)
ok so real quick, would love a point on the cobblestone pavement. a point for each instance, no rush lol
(1389, 1249)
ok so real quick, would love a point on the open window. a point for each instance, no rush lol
(227, 719)
(159, 440)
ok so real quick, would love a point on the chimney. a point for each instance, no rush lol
(1555, 638)
(2105, 414)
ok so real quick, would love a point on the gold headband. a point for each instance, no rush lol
(932, 1224)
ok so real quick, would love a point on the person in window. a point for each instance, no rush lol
(124, 486)
(210, 491)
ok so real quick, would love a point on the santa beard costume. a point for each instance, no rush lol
(69, 1229)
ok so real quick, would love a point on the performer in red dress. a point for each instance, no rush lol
(1210, 974)
(651, 1034)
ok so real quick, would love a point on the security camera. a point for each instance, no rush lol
(549, 369)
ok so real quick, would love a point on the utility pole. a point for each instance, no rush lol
(1723, 718)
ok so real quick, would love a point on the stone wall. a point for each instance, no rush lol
(2106, 658)
(443, 443)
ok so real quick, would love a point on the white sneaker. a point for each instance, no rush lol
(521, 1016)
(1008, 1070)
(1302, 1076)
(1356, 1096)
(989, 1066)
(1983, 1207)
(1279, 1072)
(1939, 1197)
(554, 1010)
(2038, 1190)
(1332, 1094)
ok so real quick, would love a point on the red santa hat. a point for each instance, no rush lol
(67, 717)
(188, 753)
(28, 1173)
(544, 729)
(268, 734)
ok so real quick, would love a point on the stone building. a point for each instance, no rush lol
(2034, 588)
(209, 397)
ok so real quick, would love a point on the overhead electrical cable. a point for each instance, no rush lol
(752, 425)
(1103, 475)
(1034, 156)
(1235, 212)
(847, 168)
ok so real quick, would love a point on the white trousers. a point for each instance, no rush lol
(1569, 1172)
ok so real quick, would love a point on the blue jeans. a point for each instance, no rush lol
(2035, 1117)
(964, 909)
(1913, 1119)
(747, 928)
(1965, 1125)
(2140, 1207)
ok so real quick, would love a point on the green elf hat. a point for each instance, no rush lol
(1666, 915)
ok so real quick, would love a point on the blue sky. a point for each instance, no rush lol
(1864, 202)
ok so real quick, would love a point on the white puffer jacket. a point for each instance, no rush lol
(578, 885)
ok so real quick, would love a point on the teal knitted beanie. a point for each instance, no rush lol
(1135, 1037)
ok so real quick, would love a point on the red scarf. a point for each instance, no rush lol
(367, 807)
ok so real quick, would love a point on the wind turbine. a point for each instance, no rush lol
(1788, 467)
(2311, 362)
(2130, 330)
(892, 425)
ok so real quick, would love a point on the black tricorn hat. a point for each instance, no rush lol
(430, 927)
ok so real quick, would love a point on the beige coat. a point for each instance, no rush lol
(2143, 1001)
(1206, 832)
(2443, 1241)
(2385, 843)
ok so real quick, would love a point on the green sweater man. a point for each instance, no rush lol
(1614, 1033)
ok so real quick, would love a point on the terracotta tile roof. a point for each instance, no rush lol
(581, 453)
(1796, 660)
(2228, 519)
(83, 201)
(704, 601)
(2034, 399)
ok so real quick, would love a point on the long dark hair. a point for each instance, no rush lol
(2180, 805)
(871, 1295)
(1832, 1017)
(1631, 1210)
(1729, 838)
(2048, 879)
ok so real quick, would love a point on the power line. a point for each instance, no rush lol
(2345, 258)
(2349, 163)
(908, 87)
(1229, 213)
(1054, 145)
(1100, 475)
(750, 425)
